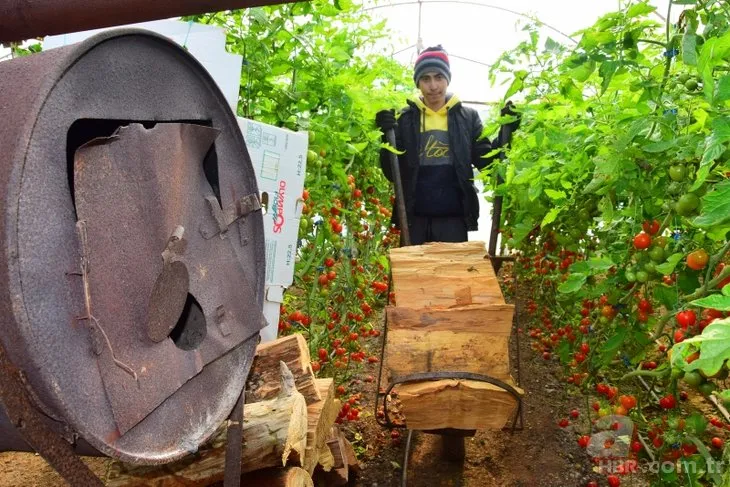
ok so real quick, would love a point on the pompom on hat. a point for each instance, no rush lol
(432, 59)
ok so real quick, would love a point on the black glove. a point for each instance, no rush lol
(508, 110)
(385, 120)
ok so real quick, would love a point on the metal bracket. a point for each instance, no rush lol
(224, 218)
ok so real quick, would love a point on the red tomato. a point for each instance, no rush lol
(642, 241)
(718, 270)
(650, 227)
(628, 402)
(686, 318)
(323, 355)
(698, 259)
(645, 306)
(668, 402)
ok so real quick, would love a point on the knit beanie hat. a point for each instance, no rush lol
(432, 59)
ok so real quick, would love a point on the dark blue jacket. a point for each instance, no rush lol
(465, 144)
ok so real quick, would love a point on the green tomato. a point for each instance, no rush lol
(687, 204)
(650, 267)
(630, 276)
(674, 188)
(642, 276)
(677, 172)
(311, 156)
(683, 78)
(693, 378)
(312, 137)
(706, 388)
(691, 85)
(657, 254)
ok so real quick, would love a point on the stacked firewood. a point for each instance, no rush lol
(289, 432)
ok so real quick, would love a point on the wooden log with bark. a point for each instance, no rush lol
(274, 432)
(444, 275)
(472, 338)
(263, 381)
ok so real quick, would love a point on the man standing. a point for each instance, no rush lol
(441, 141)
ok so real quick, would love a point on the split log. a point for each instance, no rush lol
(281, 477)
(321, 416)
(351, 458)
(467, 339)
(460, 404)
(444, 275)
(263, 380)
(336, 446)
(274, 435)
(325, 460)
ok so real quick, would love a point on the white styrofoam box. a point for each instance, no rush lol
(272, 306)
(207, 43)
(279, 158)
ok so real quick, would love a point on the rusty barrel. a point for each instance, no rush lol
(132, 267)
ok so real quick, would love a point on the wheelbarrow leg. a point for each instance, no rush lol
(404, 475)
(454, 447)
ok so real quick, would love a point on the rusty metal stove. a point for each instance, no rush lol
(131, 279)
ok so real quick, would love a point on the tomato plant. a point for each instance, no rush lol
(622, 162)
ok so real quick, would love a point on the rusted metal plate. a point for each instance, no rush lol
(54, 103)
(21, 19)
(167, 300)
(132, 190)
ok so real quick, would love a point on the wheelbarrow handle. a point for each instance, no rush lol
(505, 137)
(405, 238)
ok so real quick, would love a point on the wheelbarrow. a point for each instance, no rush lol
(446, 343)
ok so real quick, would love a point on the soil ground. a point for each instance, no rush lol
(540, 455)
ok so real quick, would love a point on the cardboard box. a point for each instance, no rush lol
(279, 158)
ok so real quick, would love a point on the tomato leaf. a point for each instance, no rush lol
(564, 351)
(716, 301)
(688, 281)
(555, 195)
(550, 216)
(696, 424)
(715, 206)
(667, 296)
(390, 148)
(642, 8)
(713, 345)
(689, 49)
(573, 283)
(661, 146)
(668, 267)
(612, 345)
(723, 89)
